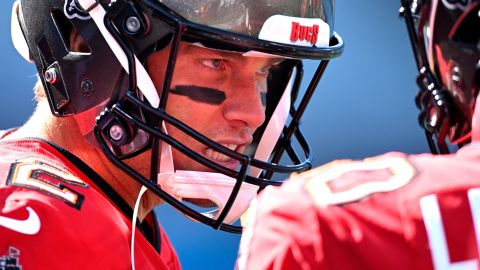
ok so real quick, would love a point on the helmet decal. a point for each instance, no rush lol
(296, 31)
(72, 10)
(304, 32)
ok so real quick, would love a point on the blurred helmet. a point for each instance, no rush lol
(108, 77)
(446, 43)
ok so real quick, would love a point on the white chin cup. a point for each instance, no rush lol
(214, 187)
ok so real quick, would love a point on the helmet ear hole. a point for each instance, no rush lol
(69, 34)
(77, 43)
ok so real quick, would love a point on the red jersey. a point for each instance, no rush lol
(56, 213)
(394, 211)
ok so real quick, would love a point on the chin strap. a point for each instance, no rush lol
(134, 222)
(214, 187)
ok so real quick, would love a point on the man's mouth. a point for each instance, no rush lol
(217, 156)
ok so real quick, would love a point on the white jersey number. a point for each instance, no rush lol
(434, 226)
(342, 182)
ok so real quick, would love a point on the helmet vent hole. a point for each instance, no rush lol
(69, 35)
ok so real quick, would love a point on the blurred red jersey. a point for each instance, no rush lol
(56, 213)
(394, 211)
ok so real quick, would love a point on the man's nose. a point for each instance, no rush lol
(244, 104)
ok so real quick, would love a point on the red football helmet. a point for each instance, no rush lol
(108, 78)
(446, 43)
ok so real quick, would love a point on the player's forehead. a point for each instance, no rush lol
(202, 51)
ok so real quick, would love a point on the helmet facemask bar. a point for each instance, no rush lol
(158, 136)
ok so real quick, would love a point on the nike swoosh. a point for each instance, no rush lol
(29, 226)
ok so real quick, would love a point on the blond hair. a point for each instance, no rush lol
(39, 92)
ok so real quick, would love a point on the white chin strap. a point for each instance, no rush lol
(214, 187)
(134, 225)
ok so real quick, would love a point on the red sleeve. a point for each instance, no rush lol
(53, 217)
(277, 237)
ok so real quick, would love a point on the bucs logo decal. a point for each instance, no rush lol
(302, 32)
(72, 9)
(456, 4)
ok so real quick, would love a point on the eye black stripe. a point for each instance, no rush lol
(206, 95)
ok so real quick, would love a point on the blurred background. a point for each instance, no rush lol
(364, 106)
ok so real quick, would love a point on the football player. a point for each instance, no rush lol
(151, 101)
(394, 211)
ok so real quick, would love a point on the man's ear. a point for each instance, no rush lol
(77, 43)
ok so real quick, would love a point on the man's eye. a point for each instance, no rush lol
(213, 63)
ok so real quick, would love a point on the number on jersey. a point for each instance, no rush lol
(450, 221)
(346, 181)
(48, 178)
